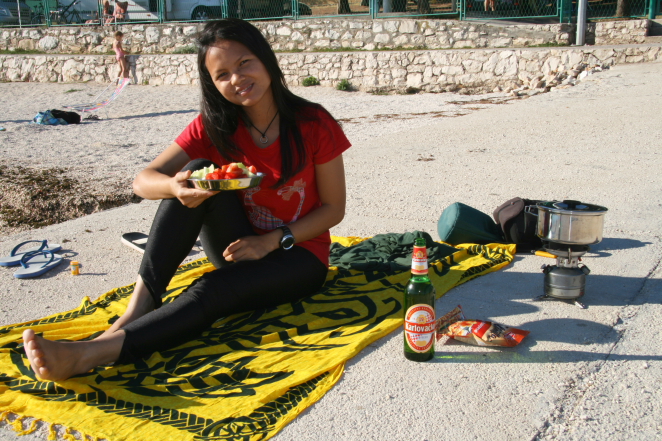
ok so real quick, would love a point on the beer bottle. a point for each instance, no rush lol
(420, 323)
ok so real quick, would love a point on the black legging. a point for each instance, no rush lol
(279, 277)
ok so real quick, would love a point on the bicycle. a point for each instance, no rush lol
(38, 16)
(67, 14)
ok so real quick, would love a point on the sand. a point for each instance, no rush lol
(103, 156)
(581, 374)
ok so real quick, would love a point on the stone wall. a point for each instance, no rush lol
(617, 32)
(470, 71)
(315, 34)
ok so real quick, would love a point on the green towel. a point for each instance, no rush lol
(389, 252)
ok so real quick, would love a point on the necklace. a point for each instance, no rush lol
(263, 135)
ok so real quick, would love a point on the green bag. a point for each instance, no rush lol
(461, 223)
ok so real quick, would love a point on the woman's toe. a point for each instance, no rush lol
(32, 345)
(28, 335)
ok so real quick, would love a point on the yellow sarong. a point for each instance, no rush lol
(245, 378)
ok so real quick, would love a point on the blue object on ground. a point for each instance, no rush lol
(15, 256)
(46, 118)
(36, 263)
(2, 129)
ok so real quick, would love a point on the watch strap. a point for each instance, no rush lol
(287, 239)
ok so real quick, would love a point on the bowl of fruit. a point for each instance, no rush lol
(234, 176)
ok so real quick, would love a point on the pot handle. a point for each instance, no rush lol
(527, 209)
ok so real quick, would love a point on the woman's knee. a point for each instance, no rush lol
(213, 298)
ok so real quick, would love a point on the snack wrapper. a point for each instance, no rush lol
(477, 332)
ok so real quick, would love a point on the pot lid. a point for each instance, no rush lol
(565, 205)
(571, 205)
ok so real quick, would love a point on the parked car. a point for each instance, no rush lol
(209, 9)
(9, 13)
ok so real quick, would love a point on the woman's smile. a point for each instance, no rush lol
(239, 75)
(245, 91)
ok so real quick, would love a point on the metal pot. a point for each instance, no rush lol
(569, 222)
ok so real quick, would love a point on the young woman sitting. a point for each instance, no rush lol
(269, 244)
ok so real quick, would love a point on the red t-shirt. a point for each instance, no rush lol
(269, 208)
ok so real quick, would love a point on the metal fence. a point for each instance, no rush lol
(617, 8)
(82, 12)
(415, 8)
(509, 9)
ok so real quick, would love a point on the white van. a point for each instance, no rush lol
(143, 10)
(192, 9)
(206, 9)
(147, 10)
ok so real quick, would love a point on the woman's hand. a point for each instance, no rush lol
(162, 179)
(189, 197)
(252, 247)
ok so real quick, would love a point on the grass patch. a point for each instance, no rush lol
(402, 48)
(186, 50)
(338, 49)
(381, 49)
(549, 44)
(344, 85)
(21, 52)
(310, 81)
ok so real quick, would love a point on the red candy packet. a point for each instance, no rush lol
(477, 332)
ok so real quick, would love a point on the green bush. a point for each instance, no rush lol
(310, 81)
(21, 52)
(344, 85)
(186, 50)
(379, 92)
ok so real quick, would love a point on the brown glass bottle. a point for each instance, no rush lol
(420, 323)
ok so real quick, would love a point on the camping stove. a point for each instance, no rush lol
(566, 229)
(567, 279)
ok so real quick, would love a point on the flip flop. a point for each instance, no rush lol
(37, 263)
(137, 241)
(15, 256)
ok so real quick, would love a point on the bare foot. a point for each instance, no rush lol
(56, 361)
(141, 303)
(51, 360)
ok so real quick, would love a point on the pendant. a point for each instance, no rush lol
(264, 139)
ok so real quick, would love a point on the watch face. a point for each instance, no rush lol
(287, 242)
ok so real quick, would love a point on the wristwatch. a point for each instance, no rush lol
(287, 241)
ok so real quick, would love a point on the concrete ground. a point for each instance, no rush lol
(581, 374)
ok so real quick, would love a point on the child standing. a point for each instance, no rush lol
(120, 55)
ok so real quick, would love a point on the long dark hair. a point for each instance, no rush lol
(221, 117)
